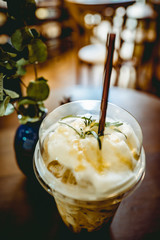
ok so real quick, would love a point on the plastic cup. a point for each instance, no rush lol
(86, 212)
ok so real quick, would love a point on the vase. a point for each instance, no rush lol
(25, 141)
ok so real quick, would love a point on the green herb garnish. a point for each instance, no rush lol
(107, 124)
(88, 121)
(117, 130)
(116, 124)
(70, 116)
(71, 127)
(96, 136)
(83, 134)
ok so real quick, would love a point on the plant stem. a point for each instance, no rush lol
(35, 70)
(1, 87)
(23, 83)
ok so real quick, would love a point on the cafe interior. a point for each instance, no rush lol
(76, 34)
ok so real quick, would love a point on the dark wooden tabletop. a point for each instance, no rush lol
(28, 212)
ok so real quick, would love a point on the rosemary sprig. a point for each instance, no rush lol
(96, 136)
(83, 134)
(116, 124)
(71, 127)
(70, 116)
(117, 130)
(88, 121)
(108, 124)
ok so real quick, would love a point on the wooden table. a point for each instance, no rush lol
(28, 212)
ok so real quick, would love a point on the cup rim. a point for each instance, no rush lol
(54, 111)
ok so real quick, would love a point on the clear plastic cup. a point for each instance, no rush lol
(85, 212)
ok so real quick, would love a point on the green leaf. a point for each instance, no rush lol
(21, 38)
(42, 79)
(12, 55)
(29, 110)
(6, 56)
(26, 101)
(6, 60)
(37, 51)
(38, 90)
(21, 66)
(26, 109)
(9, 109)
(8, 65)
(25, 119)
(11, 94)
(3, 105)
(42, 107)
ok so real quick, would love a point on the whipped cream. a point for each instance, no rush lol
(75, 154)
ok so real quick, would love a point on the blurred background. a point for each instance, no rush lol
(75, 32)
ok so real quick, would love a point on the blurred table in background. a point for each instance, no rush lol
(28, 212)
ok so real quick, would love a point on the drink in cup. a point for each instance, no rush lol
(88, 174)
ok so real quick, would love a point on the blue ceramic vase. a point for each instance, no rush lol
(25, 141)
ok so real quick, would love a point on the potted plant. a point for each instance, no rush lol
(25, 47)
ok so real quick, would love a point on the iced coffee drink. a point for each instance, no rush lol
(89, 174)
